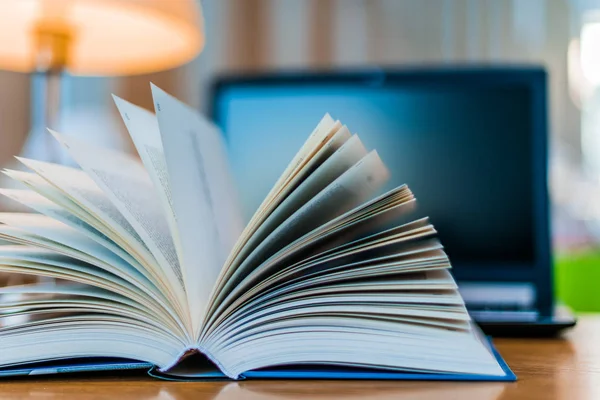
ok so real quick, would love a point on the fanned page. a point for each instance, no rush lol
(204, 199)
(329, 278)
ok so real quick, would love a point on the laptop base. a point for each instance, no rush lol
(551, 326)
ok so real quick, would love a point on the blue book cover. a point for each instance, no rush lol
(289, 372)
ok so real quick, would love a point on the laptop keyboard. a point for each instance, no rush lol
(503, 313)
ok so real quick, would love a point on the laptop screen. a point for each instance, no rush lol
(464, 150)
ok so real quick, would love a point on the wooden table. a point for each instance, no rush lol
(548, 369)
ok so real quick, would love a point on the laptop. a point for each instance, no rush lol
(471, 143)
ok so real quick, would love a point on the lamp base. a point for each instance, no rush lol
(39, 145)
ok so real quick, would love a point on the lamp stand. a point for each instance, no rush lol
(53, 40)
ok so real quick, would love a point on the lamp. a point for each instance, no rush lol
(97, 38)
(589, 52)
(92, 37)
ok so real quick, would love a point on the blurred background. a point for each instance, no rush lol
(249, 36)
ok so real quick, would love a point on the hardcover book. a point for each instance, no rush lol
(154, 268)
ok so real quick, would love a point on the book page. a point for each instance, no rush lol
(325, 139)
(349, 190)
(339, 162)
(205, 201)
(321, 143)
(77, 185)
(64, 336)
(127, 185)
(51, 259)
(47, 190)
(63, 200)
(337, 259)
(142, 126)
(358, 222)
(72, 243)
(319, 136)
(67, 320)
(46, 207)
(29, 301)
(416, 275)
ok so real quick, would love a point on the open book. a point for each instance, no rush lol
(154, 266)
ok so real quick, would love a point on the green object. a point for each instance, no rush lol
(577, 280)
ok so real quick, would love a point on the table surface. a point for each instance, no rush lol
(549, 369)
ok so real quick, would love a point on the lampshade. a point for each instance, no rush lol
(105, 37)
